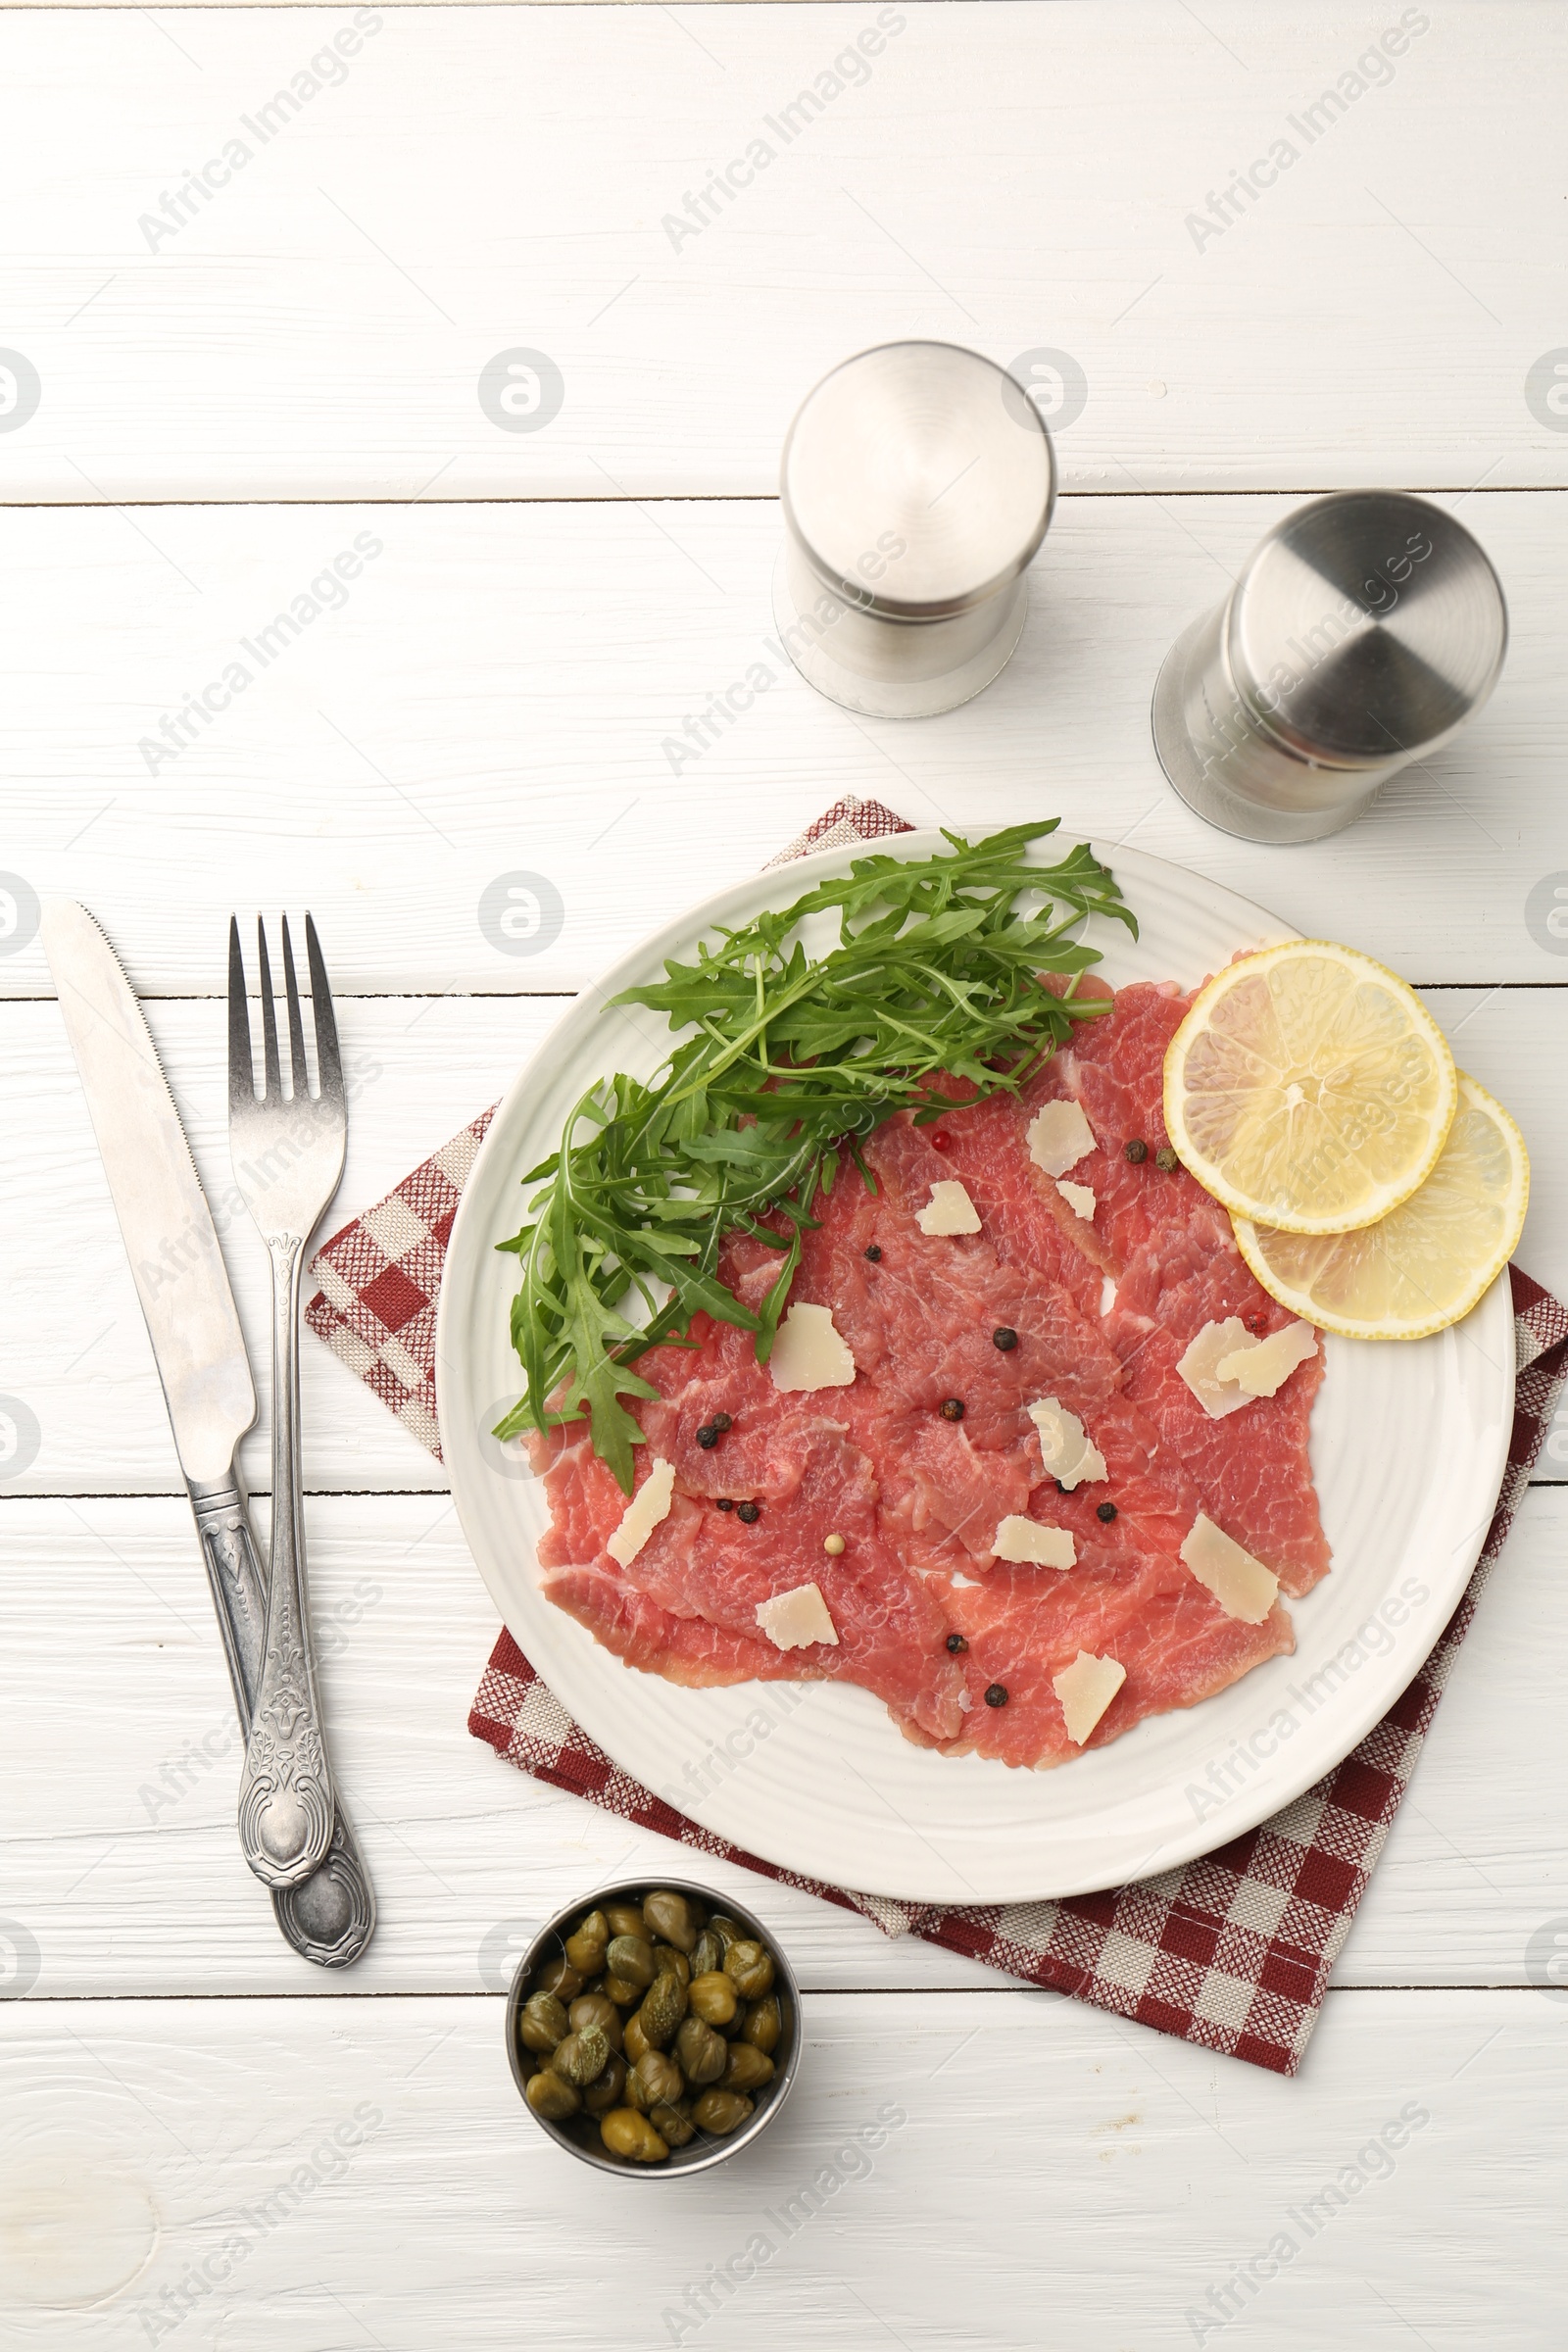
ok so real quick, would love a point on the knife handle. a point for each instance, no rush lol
(238, 1582)
(330, 1917)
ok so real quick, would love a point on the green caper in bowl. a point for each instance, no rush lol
(654, 2029)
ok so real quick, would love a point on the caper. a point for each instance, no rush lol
(622, 1991)
(708, 1953)
(746, 2068)
(580, 2059)
(635, 2041)
(750, 1965)
(763, 2024)
(626, 2132)
(729, 1931)
(721, 2110)
(543, 2023)
(663, 2007)
(669, 1962)
(624, 1919)
(653, 2078)
(672, 2121)
(631, 1959)
(585, 1949)
(701, 2052)
(713, 1998)
(559, 1977)
(593, 2009)
(669, 1917)
(551, 2096)
(607, 2090)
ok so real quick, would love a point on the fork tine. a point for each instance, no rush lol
(298, 1073)
(329, 1061)
(241, 1067)
(273, 1075)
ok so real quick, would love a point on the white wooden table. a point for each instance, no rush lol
(200, 2138)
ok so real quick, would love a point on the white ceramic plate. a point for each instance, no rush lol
(1408, 1447)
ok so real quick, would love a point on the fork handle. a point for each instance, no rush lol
(329, 1919)
(286, 1801)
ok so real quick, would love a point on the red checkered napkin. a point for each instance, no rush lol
(1231, 1952)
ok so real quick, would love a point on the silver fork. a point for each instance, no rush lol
(288, 1154)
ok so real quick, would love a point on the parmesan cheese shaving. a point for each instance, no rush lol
(1244, 1587)
(810, 1352)
(949, 1210)
(795, 1620)
(1029, 1544)
(1086, 1690)
(1262, 1368)
(1064, 1446)
(645, 1511)
(1059, 1136)
(1079, 1198)
(1216, 1391)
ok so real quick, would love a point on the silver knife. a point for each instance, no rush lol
(200, 1352)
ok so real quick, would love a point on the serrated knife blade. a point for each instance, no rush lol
(167, 1227)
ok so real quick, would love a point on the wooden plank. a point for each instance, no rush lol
(330, 2172)
(311, 318)
(507, 690)
(72, 1347)
(120, 1859)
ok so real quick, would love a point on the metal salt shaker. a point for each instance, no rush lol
(1363, 631)
(917, 482)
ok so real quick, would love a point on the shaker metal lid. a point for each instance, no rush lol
(917, 480)
(1366, 625)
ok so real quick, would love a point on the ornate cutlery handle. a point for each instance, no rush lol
(330, 1917)
(240, 1586)
(286, 1798)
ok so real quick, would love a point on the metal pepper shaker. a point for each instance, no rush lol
(1363, 632)
(917, 482)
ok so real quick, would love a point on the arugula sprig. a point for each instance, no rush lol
(784, 1060)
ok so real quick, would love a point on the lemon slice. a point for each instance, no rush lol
(1310, 1089)
(1427, 1263)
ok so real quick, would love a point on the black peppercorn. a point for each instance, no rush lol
(956, 1643)
(720, 1422)
(1137, 1150)
(1005, 1338)
(1105, 1511)
(874, 1254)
(723, 1502)
(749, 1511)
(952, 1408)
(997, 1694)
(1166, 1160)
(707, 1437)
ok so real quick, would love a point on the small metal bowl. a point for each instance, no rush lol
(580, 2135)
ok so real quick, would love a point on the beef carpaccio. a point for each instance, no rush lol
(912, 1468)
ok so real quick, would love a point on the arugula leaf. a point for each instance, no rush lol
(782, 1059)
